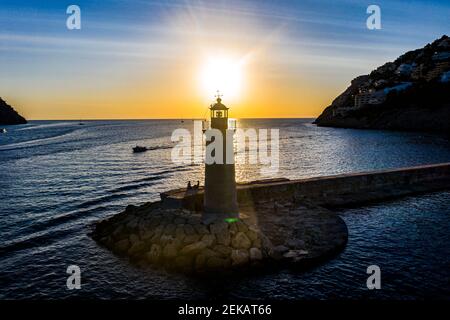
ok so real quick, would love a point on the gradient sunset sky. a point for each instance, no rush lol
(144, 59)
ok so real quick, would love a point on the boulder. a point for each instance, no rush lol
(295, 243)
(242, 227)
(146, 234)
(157, 233)
(133, 223)
(169, 229)
(154, 222)
(266, 244)
(223, 238)
(255, 254)
(233, 228)
(220, 230)
(239, 257)
(201, 229)
(154, 254)
(106, 241)
(189, 230)
(194, 220)
(209, 239)
(209, 253)
(184, 263)
(137, 248)
(191, 238)
(119, 233)
(278, 252)
(252, 234)
(134, 238)
(179, 220)
(257, 243)
(218, 227)
(241, 241)
(200, 261)
(194, 248)
(222, 250)
(216, 263)
(293, 254)
(165, 239)
(122, 246)
(170, 251)
(179, 232)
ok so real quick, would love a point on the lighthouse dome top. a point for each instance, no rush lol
(218, 105)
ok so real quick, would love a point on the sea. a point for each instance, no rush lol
(57, 178)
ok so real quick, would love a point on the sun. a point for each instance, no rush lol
(222, 74)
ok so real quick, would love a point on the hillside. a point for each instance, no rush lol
(8, 115)
(412, 93)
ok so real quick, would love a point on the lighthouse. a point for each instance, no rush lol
(220, 198)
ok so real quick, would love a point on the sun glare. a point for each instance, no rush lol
(222, 74)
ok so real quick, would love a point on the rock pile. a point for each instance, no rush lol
(177, 239)
(282, 232)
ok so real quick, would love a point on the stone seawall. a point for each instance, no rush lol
(331, 191)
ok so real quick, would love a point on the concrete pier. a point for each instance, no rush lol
(331, 191)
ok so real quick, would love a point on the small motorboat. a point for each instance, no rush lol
(139, 149)
(3, 130)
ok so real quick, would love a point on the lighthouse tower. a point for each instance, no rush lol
(220, 199)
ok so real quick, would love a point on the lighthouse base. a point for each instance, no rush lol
(157, 235)
(211, 217)
(220, 195)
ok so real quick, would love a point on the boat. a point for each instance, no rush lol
(139, 149)
(3, 130)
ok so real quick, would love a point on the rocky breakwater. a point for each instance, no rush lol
(176, 239)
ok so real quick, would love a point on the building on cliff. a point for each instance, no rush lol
(439, 69)
(369, 98)
(445, 77)
(405, 69)
(372, 97)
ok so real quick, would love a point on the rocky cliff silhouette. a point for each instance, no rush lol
(412, 93)
(8, 115)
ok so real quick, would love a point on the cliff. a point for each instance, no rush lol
(8, 115)
(412, 93)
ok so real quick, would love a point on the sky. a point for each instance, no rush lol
(147, 59)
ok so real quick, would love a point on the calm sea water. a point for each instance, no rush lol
(57, 178)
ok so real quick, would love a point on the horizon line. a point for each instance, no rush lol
(137, 119)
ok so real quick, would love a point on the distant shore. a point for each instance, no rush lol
(9, 116)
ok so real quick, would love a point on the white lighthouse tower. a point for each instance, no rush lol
(220, 198)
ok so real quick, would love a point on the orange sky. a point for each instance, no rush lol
(144, 60)
(172, 87)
